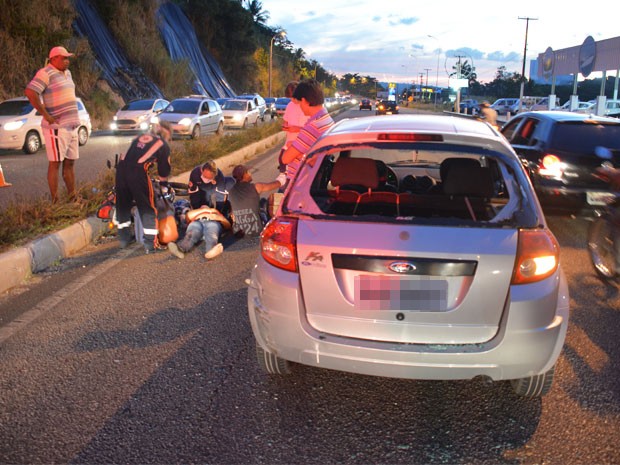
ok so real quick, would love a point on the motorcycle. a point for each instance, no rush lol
(164, 203)
(603, 237)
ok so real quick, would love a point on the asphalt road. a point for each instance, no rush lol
(125, 358)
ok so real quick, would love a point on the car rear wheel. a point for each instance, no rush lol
(271, 363)
(220, 129)
(601, 247)
(32, 143)
(533, 386)
(196, 132)
(82, 135)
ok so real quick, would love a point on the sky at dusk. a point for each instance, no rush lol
(399, 40)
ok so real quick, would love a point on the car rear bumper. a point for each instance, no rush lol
(526, 344)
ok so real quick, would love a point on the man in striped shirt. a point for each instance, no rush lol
(52, 93)
(310, 97)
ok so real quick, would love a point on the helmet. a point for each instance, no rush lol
(181, 207)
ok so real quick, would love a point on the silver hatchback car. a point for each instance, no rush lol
(411, 246)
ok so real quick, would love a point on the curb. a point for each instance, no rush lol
(21, 263)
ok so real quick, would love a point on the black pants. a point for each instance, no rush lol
(134, 185)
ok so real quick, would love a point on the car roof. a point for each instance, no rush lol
(456, 129)
(567, 116)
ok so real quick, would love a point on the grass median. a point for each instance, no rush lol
(24, 221)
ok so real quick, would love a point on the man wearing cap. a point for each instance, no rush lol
(52, 93)
(244, 199)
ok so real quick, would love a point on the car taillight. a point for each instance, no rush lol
(538, 256)
(278, 243)
(551, 165)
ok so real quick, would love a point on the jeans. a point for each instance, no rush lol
(201, 230)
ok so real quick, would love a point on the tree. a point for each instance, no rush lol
(259, 15)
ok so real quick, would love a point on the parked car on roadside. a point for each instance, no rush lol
(543, 104)
(469, 106)
(281, 104)
(503, 105)
(193, 116)
(258, 101)
(238, 113)
(558, 150)
(20, 125)
(136, 115)
(437, 266)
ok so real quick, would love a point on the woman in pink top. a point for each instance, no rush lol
(294, 120)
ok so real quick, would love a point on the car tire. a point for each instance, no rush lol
(32, 143)
(256, 121)
(533, 386)
(245, 124)
(82, 135)
(271, 363)
(195, 132)
(220, 129)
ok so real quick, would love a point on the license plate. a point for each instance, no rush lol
(388, 112)
(600, 198)
(400, 293)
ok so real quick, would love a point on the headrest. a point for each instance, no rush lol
(465, 176)
(355, 171)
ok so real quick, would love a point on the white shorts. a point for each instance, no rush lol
(61, 143)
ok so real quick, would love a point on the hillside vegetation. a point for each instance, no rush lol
(235, 35)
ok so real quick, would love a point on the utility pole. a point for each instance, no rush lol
(527, 24)
(427, 70)
(459, 71)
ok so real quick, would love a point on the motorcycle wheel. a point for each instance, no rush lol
(601, 247)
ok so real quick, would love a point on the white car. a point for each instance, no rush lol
(411, 246)
(137, 114)
(238, 113)
(20, 125)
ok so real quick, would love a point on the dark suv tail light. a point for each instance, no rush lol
(538, 256)
(278, 243)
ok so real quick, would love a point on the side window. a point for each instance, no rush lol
(509, 128)
(212, 107)
(80, 106)
(525, 133)
(205, 108)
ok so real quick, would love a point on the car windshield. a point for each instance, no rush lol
(183, 106)
(138, 105)
(234, 105)
(15, 108)
(420, 183)
(584, 137)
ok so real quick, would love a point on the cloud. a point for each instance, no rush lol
(467, 52)
(503, 57)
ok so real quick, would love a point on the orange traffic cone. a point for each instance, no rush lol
(3, 183)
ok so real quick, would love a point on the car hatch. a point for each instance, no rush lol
(405, 283)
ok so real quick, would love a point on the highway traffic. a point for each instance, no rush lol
(120, 357)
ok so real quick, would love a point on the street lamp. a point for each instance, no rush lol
(281, 34)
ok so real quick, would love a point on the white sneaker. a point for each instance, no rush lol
(214, 252)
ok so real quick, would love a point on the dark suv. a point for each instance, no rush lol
(386, 107)
(558, 151)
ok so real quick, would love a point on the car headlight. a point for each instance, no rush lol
(185, 122)
(113, 126)
(115, 117)
(155, 120)
(14, 125)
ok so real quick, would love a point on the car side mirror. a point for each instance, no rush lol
(274, 203)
